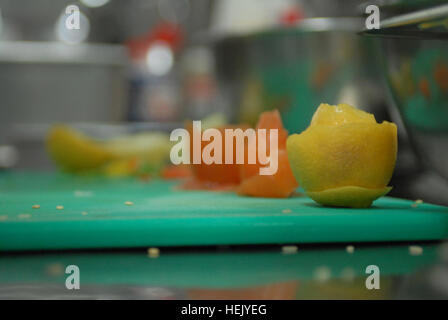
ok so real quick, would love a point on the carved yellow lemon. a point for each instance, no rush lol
(344, 158)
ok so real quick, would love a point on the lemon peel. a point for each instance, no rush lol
(351, 196)
(344, 158)
(73, 151)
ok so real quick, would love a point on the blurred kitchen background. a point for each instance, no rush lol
(138, 65)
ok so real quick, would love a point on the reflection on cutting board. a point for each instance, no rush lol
(223, 273)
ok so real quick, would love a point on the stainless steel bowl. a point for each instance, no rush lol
(414, 58)
(295, 69)
(413, 51)
(417, 75)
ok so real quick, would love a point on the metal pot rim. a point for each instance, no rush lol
(417, 24)
(333, 24)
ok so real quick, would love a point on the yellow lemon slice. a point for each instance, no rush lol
(73, 151)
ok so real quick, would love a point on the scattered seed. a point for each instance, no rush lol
(350, 249)
(153, 252)
(286, 211)
(416, 203)
(289, 249)
(322, 274)
(35, 206)
(129, 203)
(24, 216)
(84, 213)
(60, 207)
(3, 218)
(415, 250)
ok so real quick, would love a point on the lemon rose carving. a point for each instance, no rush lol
(344, 158)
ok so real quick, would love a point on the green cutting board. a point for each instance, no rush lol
(95, 216)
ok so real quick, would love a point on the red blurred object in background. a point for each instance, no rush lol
(291, 16)
(168, 33)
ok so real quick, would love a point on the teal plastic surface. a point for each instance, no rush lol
(95, 215)
(213, 269)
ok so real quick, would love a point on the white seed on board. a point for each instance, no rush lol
(416, 203)
(350, 249)
(153, 252)
(35, 206)
(286, 211)
(60, 207)
(24, 216)
(84, 213)
(3, 217)
(289, 249)
(415, 250)
(129, 203)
